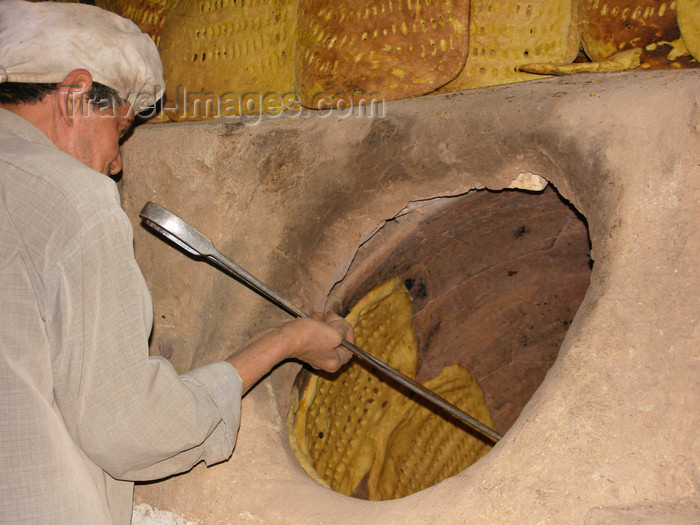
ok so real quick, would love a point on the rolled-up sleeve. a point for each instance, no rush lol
(132, 414)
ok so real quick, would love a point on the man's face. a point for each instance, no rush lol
(98, 132)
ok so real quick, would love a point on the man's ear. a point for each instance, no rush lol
(72, 93)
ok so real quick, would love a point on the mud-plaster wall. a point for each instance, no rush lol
(614, 424)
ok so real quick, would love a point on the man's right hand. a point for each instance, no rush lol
(314, 340)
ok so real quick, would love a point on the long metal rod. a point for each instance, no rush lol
(182, 234)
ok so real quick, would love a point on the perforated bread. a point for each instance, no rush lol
(504, 35)
(353, 426)
(223, 58)
(426, 448)
(396, 48)
(339, 422)
(611, 26)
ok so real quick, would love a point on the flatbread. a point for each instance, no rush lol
(611, 26)
(426, 448)
(340, 421)
(504, 35)
(344, 428)
(394, 48)
(229, 58)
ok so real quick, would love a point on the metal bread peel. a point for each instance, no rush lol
(189, 239)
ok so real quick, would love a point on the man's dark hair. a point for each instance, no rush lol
(26, 93)
(103, 96)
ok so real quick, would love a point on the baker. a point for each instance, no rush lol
(84, 411)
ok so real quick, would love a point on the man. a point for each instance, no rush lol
(84, 411)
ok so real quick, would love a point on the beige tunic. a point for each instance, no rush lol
(83, 410)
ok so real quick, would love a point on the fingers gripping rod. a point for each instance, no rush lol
(189, 239)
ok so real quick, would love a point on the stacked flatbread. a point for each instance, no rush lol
(232, 58)
(352, 427)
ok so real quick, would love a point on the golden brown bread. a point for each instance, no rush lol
(505, 34)
(611, 26)
(222, 58)
(353, 426)
(426, 448)
(396, 48)
(341, 420)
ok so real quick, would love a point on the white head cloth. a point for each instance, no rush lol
(43, 42)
